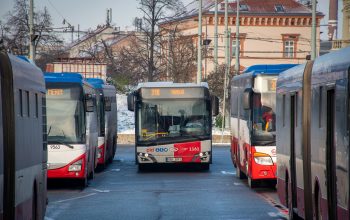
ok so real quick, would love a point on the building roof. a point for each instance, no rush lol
(277, 7)
(170, 84)
(250, 7)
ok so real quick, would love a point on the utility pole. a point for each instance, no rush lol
(227, 53)
(31, 31)
(313, 31)
(237, 65)
(216, 37)
(199, 56)
(168, 59)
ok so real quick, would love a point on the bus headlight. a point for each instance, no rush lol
(263, 159)
(75, 166)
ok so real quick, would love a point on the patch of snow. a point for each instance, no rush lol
(126, 122)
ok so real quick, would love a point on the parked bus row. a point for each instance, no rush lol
(53, 125)
(291, 123)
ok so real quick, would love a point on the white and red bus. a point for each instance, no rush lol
(23, 148)
(107, 120)
(313, 123)
(253, 131)
(173, 123)
(72, 127)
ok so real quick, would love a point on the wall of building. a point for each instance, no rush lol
(261, 43)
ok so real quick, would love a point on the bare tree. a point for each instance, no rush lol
(155, 12)
(181, 57)
(216, 81)
(16, 38)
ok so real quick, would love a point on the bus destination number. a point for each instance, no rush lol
(155, 92)
(272, 85)
(177, 92)
(55, 92)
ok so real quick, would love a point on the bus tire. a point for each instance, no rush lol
(142, 167)
(34, 204)
(318, 214)
(239, 173)
(205, 166)
(251, 183)
(92, 173)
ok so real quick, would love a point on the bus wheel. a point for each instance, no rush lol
(92, 173)
(291, 213)
(205, 166)
(142, 167)
(239, 173)
(318, 213)
(34, 204)
(251, 183)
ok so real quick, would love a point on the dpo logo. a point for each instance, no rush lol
(162, 149)
(273, 151)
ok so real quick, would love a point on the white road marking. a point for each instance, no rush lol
(272, 214)
(47, 218)
(237, 184)
(114, 170)
(101, 191)
(228, 173)
(75, 198)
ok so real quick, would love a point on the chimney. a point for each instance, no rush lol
(333, 19)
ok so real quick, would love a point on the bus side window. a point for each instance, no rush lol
(320, 107)
(284, 110)
(28, 103)
(20, 102)
(36, 106)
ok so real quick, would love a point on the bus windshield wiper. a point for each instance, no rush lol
(62, 143)
(268, 143)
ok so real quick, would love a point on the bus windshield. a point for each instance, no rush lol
(65, 114)
(163, 121)
(264, 119)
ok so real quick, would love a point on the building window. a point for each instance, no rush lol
(233, 47)
(243, 7)
(289, 49)
(241, 44)
(279, 8)
(290, 45)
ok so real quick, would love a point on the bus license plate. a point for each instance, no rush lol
(173, 159)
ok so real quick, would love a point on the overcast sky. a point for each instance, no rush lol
(90, 13)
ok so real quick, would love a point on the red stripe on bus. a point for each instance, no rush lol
(64, 173)
(188, 151)
(102, 150)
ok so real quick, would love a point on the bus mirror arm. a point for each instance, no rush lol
(215, 105)
(89, 102)
(131, 102)
(247, 98)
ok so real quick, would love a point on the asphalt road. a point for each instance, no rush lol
(122, 192)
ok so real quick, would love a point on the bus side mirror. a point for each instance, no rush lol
(131, 102)
(89, 103)
(108, 104)
(215, 105)
(247, 96)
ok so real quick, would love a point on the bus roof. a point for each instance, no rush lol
(65, 77)
(170, 85)
(97, 83)
(268, 68)
(26, 74)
